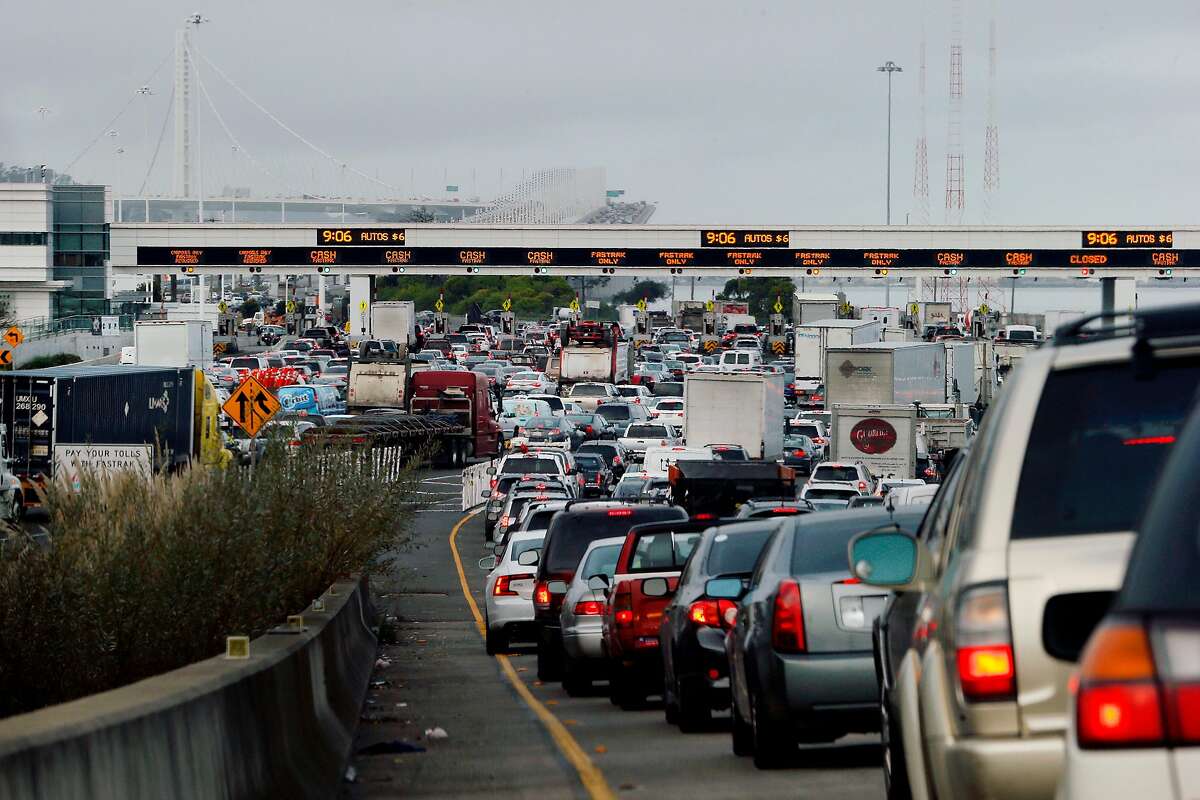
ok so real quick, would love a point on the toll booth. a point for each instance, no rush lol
(508, 323)
(641, 329)
(710, 342)
(441, 323)
(778, 343)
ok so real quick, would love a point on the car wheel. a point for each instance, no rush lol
(895, 770)
(695, 713)
(495, 641)
(574, 679)
(774, 745)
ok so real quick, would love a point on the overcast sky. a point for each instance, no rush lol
(753, 112)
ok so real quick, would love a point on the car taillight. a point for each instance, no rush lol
(798, 453)
(541, 595)
(616, 461)
(930, 472)
(862, 486)
(492, 483)
(588, 429)
(620, 512)
(504, 521)
(503, 587)
(713, 613)
(787, 626)
(984, 644)
(597, 478)
(704, 516)
(589, 608)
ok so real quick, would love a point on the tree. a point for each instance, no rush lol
(530, 295)
(420, 214)
(761, 293)
(250, 308)
(650, 290)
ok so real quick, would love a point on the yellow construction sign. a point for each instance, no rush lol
(575, 305)
(778, 305)
(641, 305)
(778, 347)
(506, 306)
(709, 305)
(251, 406)
(440, 305)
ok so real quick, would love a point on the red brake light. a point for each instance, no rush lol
(986, 672)
(785, 510)
(589, 608)
(616, 460)
(541, 594)
(620, 512)
(798, 453)
(624, 616)
(713, 613)
(787, 626)
(704, 515)
(1149, 440)
(503, 585)
(1119, 700)
(984, 641)
(862, 485)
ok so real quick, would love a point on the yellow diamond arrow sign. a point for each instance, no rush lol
(641, 304)
(507, 304)
(778, 306)
(440, 305)
(14, 336)
(251, 406)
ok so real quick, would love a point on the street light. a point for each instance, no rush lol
(889, 67)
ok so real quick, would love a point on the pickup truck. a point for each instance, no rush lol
(641, 435)
(646, 576)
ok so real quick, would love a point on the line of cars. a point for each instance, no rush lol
(993, 636)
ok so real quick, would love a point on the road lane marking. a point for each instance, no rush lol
(589, 774)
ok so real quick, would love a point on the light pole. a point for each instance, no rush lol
(889, 67)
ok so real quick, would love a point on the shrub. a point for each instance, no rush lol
(144, 575)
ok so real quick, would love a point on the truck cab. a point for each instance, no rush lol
(463, 395)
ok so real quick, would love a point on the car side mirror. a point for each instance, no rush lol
(891, 558)
(498, 549)
(490, 470)
(656, 587)
(724, 588)
(488, 563)
(486, 493)
(598, 581)
(556, 587)
(529, 558)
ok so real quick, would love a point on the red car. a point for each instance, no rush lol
(645, 579)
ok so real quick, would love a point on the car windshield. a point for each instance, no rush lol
(588, 390)
(836, 474)
(628, 391)
(1107, 415)
(531, 465)
(820, 542)
(570, 534)
(581, 419)
(733, 553)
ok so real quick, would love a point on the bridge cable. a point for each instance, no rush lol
(158, 145)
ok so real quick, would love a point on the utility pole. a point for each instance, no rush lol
(889, 67)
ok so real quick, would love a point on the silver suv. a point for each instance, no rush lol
(1020, 555)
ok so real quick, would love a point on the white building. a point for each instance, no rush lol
(26, 251)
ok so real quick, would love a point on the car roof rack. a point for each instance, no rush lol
(1170, 322)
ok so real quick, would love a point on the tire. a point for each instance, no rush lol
(695, 712)
(743, 733)
(895, 770)
(495, 642)
(549, 658)
(774, 746)
(575, 681)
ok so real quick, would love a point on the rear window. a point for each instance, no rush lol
(830, 494)
(820, 544)
(729, 454)
(571, 533)
(733, 553)
(251, 363)
(1098, 442)
(656, 552)
(849, 474)
(539, 520)
(546, 466)
(589, 461)
(614, 413)
(810, 431)
(588, 390)
(629, 487)
(648, 431)
(602, 561)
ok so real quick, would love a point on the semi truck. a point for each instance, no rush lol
(962, 384)
(450, 411)
(886, 373)
(815, 338)
(744, 409)
(883, 437)
(934, 313)
(395, 320)
(688, 314)
(809, 307)
(107, 417)
(592, 352)
(173, 343)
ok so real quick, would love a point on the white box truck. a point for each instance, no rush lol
(744, 409)
(808, 307)
(886, 373)
(961, 383)
(935, 313)
(888, 315)
(599, 364)
(813, 339)
(883, 437)
(173, 343)
(395, 320)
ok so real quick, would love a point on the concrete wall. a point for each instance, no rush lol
(280, 724)
(82, 344)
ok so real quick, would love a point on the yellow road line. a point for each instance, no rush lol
(589, 775)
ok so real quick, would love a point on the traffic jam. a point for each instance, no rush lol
(974, 544)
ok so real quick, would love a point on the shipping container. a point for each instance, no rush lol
(886, 373)
(120, 405)
(813, 339)
(743, 409)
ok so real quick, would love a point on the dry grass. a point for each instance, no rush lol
(145, 576)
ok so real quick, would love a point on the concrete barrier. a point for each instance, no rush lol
(474, 480)
(279, 724)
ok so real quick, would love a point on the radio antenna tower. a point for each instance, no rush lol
(991, 146)
(921, 167)
(955, 192)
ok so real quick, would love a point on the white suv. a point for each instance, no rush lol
(590, 395)
(855, 475)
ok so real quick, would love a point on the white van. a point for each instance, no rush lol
(739, 360)
(659, 459)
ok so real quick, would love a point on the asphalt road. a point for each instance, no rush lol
(496, 744)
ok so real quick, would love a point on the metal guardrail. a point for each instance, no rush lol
(36, 328)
